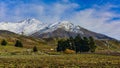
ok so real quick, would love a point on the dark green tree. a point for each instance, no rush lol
(63, 45)
(84, 45)
(92, 44)
(71, 43)
(35, 49)
(4, 42)
(78, 43)
(18, 44)
(60, 45)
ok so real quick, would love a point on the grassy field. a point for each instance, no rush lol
(60, 61)
(15, 57)
(107, 55)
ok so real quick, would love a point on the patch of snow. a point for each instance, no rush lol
(66, 25)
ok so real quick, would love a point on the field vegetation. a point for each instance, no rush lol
(39, 53)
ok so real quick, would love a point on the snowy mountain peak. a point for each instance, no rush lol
(64, 24)
(27, 26)
(30, 26)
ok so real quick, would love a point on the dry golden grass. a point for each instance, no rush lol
(47, 57)
(57, 61)
(68, 51)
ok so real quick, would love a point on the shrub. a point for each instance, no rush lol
(4, 42)
(68, 51)
(18, 44)
(35, 49)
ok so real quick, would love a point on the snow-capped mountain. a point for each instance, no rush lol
(66, 29)
(35, 28)
(26, 27)
(66, 25)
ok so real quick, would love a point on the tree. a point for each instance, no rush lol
(60, 45)
(4, 42)
(92, 44)
(84, 45)
(63, 45)
(35, 49)
(18, 44)
(71, 43)
(78, 43)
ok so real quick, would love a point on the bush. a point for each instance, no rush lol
(4, 42)
(68, 51)
(18, 44)
(35, 49)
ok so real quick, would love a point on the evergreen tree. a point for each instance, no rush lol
(35, 49)
(85, 45)
(59, 46)
(92, 44)
(4, 42)
(18, 44)
(71, 43)
(66, 45)
(78, 43)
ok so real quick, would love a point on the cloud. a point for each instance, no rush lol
(47, 13)
(98, 20)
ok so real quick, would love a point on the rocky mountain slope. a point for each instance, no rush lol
(66, 29)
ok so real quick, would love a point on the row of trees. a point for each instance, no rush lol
(17, 44)
(78, 44)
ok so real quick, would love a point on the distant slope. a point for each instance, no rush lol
(103, 46)
(12, 37)
(28, 42)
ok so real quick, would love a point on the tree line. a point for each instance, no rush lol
(78, 44)
(18, 43)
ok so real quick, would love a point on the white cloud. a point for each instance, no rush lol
(47, 13)
(98, 20)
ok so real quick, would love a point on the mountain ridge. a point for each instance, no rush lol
(35, 28)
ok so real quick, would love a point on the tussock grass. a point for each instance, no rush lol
(56, 61)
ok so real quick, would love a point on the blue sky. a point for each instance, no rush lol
(102, 16)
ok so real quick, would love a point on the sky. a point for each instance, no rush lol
(101, 16)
